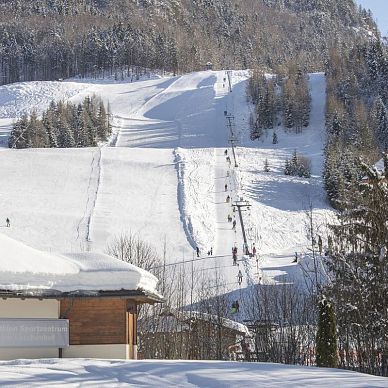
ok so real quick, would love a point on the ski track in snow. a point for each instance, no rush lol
(186, 222)
(83, 228)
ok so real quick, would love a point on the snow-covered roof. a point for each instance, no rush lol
(225, 322)
(25, 269)
(172, 322)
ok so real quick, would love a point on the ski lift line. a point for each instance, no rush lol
(223, 285)
(214, 268)
(189, 261)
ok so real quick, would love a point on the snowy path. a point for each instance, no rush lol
(227, 236)
(226, 185)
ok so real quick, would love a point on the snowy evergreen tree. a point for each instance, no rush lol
(19, 134)
(266, 166)
(274, 138)
(299, 165)
(326, 336)
(358, 265)
(49, 128)
(380, 120)
(63, 125)
(296, 100)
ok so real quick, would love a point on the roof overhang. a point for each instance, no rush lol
(138, 296)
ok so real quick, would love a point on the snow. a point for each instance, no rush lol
(85, 372)
(379, 166)
(22, 97)
(162, 176)
(228, 323)
(23, 268)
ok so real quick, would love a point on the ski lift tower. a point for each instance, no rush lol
(241, 205)
(229, 75)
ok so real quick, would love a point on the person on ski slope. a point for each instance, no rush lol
(239, 277)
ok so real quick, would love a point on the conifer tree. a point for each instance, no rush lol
(19, 137)
(358, 264)
(287, 167)
(326, 340)
(37, 132)
(380, 119)
(49, 128)
(102, 123)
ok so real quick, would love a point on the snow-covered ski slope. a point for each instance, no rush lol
(163, 175)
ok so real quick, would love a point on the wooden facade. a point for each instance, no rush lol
(100, 321)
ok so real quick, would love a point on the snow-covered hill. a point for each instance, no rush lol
(163, 175)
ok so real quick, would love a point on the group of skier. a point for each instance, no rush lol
(233, 221)
(245, 249)
(209, 252)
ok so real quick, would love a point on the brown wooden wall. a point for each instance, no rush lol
(97, 321)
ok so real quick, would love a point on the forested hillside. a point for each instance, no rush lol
(50, 39)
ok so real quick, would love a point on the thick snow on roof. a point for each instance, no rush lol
(177, 321)
(26, 268)
(225, 322)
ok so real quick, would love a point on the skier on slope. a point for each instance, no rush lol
(320, 245)
(234, 255)
(197, 252)
(234, 309)
(234, 225)
(226, 187)
(227, 199)
(8, 222)
(239, 277)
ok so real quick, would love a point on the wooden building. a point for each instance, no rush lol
(82, 305)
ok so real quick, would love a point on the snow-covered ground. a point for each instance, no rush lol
(163, 175)
(101, 373)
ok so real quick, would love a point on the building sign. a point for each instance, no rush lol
(34, 333)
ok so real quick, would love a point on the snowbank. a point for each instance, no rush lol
(104, 373)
